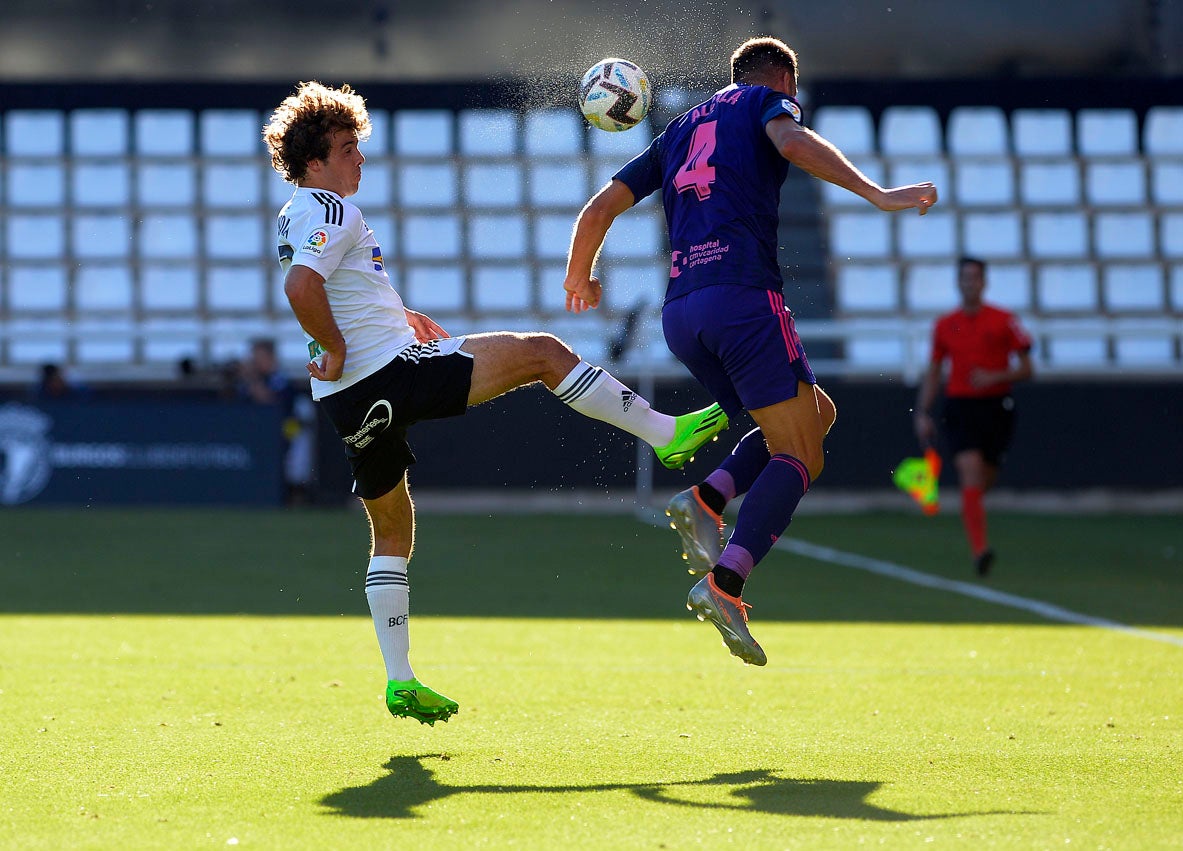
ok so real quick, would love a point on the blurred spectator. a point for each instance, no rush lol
(52, 384)
(260, 380)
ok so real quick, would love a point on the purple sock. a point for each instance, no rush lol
(765, 513)
(745, 463)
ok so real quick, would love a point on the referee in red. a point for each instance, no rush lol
(988, 351)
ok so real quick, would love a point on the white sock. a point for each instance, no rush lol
(596, 394)
(389, 595)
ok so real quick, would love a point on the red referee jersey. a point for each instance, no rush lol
(982, 340)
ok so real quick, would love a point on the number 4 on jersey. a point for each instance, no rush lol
(696, 172)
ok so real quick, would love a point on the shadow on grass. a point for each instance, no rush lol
(411, 785)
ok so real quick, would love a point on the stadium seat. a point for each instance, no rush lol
(985, 183)
(378, 146)
(105, 342)
(1057, 235)
(916, 170)
(38, 288)
(171, 340)
(493, 184)
(170, 184)
(849, 127)
(167, 235)
(436, 288)
(1106, 133)
(99, 132)
(103, 288)
(431, 236)
(552, 298)
(502, 288)
(860, 235)
(423, 133)
(233, 184)
(105, 184)
(931, 287)
(1115, 183)
(992, 235)
(1042, 132)
(279, 191)
(35, 236)
(1145, 351)
(638, 235)
(836, 196)
(1132, 288)
(488, 132)
(496, 236)
(386, 232)
(1124, 235)
(553, 132)
(1162, 134)
(1051, 183)
(629, 285)
(1069, 351)
(977, 131)
(1167, 183)
(621, 147)
(34, 133)
(230, 133)
(909, 131)
(106, 236)
(36, 184)
(552, 235)
(164, 132)
(931, 235)
(169, 288)
(236, 237)
(428, 185)
(376, 191)
(876, 352)
(1066, 288)
(234, 289)
(1171, 235)
(867, 288)
(559, 184)
(37, 342)
(1008, 285)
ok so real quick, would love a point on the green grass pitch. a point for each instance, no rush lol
(205, 679)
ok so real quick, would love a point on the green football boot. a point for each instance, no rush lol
(412, 699)
(691, 432)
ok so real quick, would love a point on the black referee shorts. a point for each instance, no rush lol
(424, 382)
(985, 424)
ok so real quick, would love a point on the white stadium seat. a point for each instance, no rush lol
(1057, 235)
(105, 343)
(99, 132)
(236, 237)
(1145, 350)
(423, 133)
(497, 236)
(621, 147)
(1008, 285)
(488, 132)
(862, 288)
(1171, 235)
(552, 298)
(233, 184)
(559, 184)
(37, 341)
(428, 185)
(34, 133)
(386, 232)
(885, 353)
(37, 288)
(836, 196)
(236, 289)
(553, 132)
(375, 192)
(1133, 287)
(1163, 131)
(985, 183)
(502, 288)
(166, 235)
(931, 287)
(978, 131)
(552, 235)
(1167, 183)
(170, 340)
(439, 288)
(493, 184)
(931, 235)
(1076, 351)
(992, 235)
(169, 288)
(1120, 183)
(35, 236)
(379, 143)
(36, 184)
(635, 236)
(1067, 288)
(909, 130)
(849, 127)
(431, 237)
(105, 236)
(164, 132)
(1106, 133)
(103, 288)
(1124, 235)
(1042, 132)
(630, 285)
(166, 184)
(1051, 183)
(1175, 287)
(918, 170)
(860, 235)
(230, 133)
(106, 184)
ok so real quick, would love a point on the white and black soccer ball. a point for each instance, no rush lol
(614, 94)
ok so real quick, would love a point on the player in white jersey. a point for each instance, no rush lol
(377, 366)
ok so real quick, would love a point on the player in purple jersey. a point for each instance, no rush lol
(720, 167)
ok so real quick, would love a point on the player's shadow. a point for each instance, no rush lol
(411, 785)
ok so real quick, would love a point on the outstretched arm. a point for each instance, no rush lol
(305, 290)
(583, 289)
(922, 421)
(811, 152)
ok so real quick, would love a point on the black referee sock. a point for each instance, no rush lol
(727, 580)
(711, 498)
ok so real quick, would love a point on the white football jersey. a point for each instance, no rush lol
(321, 230)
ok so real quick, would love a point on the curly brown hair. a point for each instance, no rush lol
(756, 57)
(302, 127)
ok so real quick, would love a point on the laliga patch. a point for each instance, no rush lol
(316, 242)
(792, 108)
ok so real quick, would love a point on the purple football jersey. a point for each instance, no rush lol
(720, 177)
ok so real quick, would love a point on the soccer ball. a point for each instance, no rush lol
(614, 94)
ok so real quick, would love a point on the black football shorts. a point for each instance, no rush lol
(985, 424)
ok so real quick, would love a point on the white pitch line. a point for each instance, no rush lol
(967, 589)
